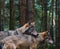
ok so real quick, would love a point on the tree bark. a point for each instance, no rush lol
(58, 29)
(30, 11)
(22, 12)
(44, 21)
(12, 15)
(1, 15)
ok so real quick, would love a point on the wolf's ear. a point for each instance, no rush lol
(26, 25)
(44, 34)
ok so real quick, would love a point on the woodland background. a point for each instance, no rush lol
(46, 14)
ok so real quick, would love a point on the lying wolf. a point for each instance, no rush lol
(16, 41)
(22, 29)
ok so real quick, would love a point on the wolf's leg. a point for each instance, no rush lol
(34, 46)
(9, 46)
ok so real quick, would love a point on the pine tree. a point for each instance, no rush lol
(12, 15)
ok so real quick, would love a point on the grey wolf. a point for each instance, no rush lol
(17, 31)
(24, 40)
(15, 41)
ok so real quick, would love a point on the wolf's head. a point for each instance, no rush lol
(31, 30)
(23, 28)
(45, 36)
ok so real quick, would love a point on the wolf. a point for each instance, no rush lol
(17, 31)
(38, 37)
(28, 41)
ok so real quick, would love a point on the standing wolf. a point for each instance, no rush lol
(19, 42)
(22, 29)
(25, 40)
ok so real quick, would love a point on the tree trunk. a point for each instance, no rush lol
(44, 22)
(58, 32)
(12, 15)
(22, 12)
(1, 15)
(30, 11)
